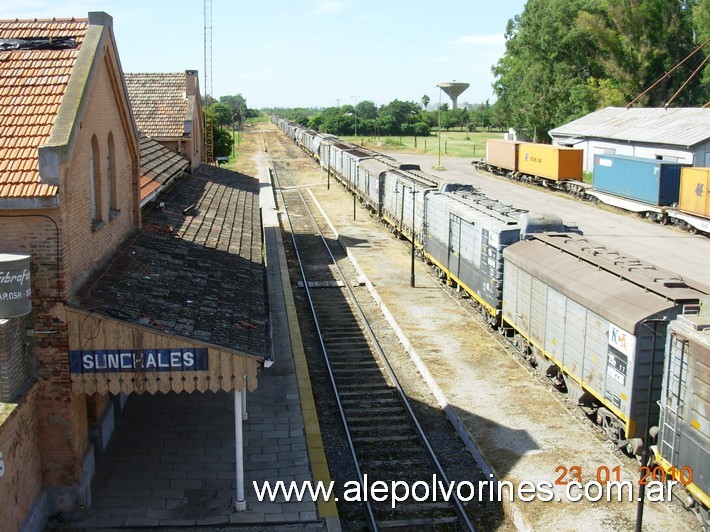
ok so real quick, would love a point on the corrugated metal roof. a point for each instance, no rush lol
(673, 126)
(374, 167)
(621, 289)
(32, 85)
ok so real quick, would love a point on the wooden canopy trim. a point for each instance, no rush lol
(89, 331)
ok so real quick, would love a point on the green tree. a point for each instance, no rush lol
(334, 121)
(222, 143)
(422, 129)
(386, 124)
(547, 59)
(701, 25)
(366, 110)
(222, 115)
(299, 116)
(315, 122)
(425, 101)
(236, 103)
(401, 112)
(639, 41)
(366, 127)
(480, 115)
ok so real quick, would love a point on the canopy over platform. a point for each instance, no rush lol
(182, 305)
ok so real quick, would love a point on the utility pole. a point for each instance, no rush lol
(414, 197)
(209, 108)
(355, 114)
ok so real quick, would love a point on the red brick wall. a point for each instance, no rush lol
(22, 482)
(95, 407)
(81, 247)
(87, 246)
(170, 144)
(35, 234)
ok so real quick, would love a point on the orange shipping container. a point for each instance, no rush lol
(694, 194)
(551, 162)
(502, 153)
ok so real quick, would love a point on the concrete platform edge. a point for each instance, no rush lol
(314, 442)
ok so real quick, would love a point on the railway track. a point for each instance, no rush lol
(385, 439)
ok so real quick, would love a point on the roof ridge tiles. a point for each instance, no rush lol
(35, 20)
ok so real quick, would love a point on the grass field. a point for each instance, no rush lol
(454, 143)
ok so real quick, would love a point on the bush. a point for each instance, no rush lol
(222, 143)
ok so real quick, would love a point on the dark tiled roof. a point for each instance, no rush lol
(32, 85)
(159, 166)
(196, 269)
(159, 103)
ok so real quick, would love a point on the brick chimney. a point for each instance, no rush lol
(190, 82)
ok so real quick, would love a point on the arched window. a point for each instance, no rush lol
(95, 180)
(111, 175)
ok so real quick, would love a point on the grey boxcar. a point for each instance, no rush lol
(683, 447)
(401, 191)
(588, 315)
(371, 174)
(464, 238)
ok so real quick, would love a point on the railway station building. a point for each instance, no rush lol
(167, 108)
(675, 134)
(106, 302)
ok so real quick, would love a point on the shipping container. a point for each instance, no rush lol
(589, 311)
(502, 154)
(550, 162)
(650, 181)
(695, 191)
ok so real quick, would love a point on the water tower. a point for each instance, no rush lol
(453, 90)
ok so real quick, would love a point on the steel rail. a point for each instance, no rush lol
(346, 426)
(380, 352)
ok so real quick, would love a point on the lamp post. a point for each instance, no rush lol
(411, 273)
(355, 114)
(439, 167)
(438, 130)
(415, 114)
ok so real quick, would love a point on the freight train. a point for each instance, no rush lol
(592, 319)
(662, 191)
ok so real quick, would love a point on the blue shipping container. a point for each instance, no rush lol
(649, 181)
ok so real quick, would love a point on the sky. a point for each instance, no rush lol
(307, 53)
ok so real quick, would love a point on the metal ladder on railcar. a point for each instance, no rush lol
(675, 396)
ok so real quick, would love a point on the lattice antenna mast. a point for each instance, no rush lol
(209, 101)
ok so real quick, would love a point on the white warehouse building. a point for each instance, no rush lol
(673, 134)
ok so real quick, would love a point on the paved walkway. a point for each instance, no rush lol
(171, 459)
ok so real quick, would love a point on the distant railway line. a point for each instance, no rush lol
(385, 438)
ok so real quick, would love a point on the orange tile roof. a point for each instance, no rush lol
(159, 103)
(32, 84)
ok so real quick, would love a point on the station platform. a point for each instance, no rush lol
(515, 423)
(171, 459)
